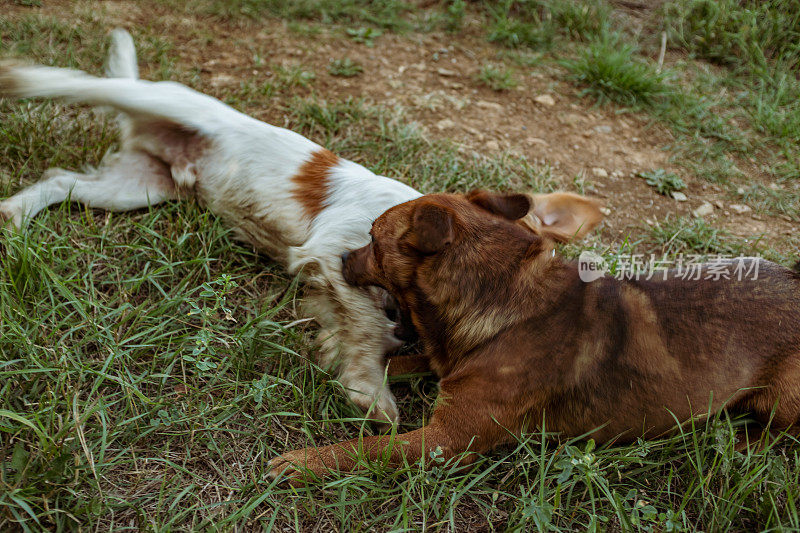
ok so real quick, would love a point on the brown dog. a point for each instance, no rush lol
(517, 338)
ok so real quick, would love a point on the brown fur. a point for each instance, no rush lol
(519, 340)
(312, 182)
(8, 83)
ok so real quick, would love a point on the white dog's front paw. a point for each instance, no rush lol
(10, 217)
(382, 411)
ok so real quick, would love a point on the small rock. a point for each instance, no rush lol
(740, 190)
(599, 172)
(606, 211)
(719, 205)
(489, 105)
(740, 209)
(446, 72)
(774, 186)
(445, 124)
(635, 139)
(679, 196)
(755, 217)
(571, 119)
(452, 84)
(603, 129)
(545, 99)
(536, 140)
(492, 145)
(705, 209)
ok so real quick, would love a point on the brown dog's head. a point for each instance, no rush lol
(432, 249)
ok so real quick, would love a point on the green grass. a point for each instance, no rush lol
(150, 366)
(677, 235)
(662, 181)
(537, 23)
(346, 68)
(745, 35)
(612, 73)
(496, 78)
(387, 14)
(294, 76)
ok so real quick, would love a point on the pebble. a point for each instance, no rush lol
(599, 172)
(545, 99)
(536, 140)
(492, 145)
(571, 119)
(705, 209)
(740, 190)
(489, 105)
(606, 211)
(603, 129)
(679, 196)
(446, 72)
(445, 124)
(740, 209)
(719, 204)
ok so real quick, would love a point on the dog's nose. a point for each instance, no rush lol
(344, 257)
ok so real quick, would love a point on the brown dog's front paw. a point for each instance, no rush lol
(294, 467)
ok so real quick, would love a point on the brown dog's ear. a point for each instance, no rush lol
(510, 206)
(563, 216)
(433, 228)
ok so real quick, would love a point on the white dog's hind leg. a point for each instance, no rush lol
(124, 181)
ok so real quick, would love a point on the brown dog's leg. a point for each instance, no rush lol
(342, 456)
(466, 419)
(778, 402)
(400, 365)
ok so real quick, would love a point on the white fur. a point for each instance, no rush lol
(177, 142)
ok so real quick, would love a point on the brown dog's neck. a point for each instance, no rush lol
(457, 313)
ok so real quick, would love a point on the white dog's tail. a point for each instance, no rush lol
(122, 56)
(139, 99)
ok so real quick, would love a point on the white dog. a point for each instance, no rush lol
(277, 190)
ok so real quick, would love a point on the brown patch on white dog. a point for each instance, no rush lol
(311, 182)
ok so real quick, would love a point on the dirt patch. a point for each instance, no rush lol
(432, 77)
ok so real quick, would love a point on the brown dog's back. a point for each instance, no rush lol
(640, 355)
